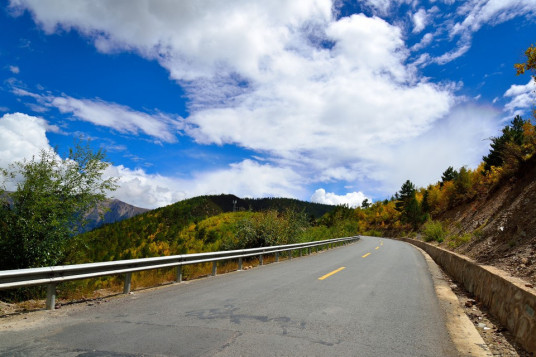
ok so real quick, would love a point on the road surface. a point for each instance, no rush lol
(371, 298)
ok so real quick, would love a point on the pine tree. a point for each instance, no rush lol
(511, 134)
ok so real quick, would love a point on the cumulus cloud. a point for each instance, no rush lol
(14, 69)
(23, 136)
(351, 110)
(190, 39)
(307, 107)
(333, 107)
(352, 199)
(159, 126)
(522, 97)
(245, 179)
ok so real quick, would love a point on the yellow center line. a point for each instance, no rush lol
(366, 255)
(377, 248)
(381, 243)
(330, 274)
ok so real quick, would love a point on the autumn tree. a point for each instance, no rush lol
(49, 205)
(530, 64)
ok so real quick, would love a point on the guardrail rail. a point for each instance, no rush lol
(51, 276)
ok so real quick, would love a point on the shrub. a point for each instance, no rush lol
(434, 231)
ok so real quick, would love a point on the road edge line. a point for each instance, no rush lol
(461, 330)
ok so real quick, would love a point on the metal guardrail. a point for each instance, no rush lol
(51, 276)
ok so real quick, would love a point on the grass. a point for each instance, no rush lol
(457, 240)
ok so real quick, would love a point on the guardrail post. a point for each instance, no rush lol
(290, 254)
(276, 256)
(260, 260)
(301, 252)
(178, 279)
(51, 297)
(214, 268)
(309, 251)
(240, 263)
(128, 280)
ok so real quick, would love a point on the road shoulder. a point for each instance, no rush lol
(463, 333)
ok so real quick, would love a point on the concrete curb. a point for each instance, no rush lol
(506, 297)
(463, 333)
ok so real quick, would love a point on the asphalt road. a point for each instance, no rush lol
(382, 303)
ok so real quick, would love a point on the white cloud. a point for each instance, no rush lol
(320, 112)
(188, 38)
(424, 42)
(14, 69)
(21, 136)
(492, 12)
(352, 199)
(457, 52)
(522, 97)
(353, 111)
(160, 126)
(474, 14)
(381, 6)
(420, 20)
(245, 179)
(454, 141)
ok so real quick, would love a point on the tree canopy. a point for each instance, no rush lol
(511, 135)
(49, 204)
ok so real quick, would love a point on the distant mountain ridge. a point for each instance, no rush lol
(114, 211)
(197, 224)
(226, 203)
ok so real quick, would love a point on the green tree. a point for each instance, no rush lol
(49, 204)
(365, 204)
(425, 205)
(449, 175)
(463, 183)
(408, 205)
(406, 193)
(511, 135)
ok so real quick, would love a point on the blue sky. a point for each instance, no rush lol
(317, 100)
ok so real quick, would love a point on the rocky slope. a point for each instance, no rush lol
(502, 226)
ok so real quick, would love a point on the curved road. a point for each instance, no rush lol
(381, 303)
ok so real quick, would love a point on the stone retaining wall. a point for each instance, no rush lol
(506, 297)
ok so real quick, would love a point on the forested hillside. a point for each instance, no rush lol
(200, 224)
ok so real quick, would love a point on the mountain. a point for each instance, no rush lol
(197, 224)
(114, 211)
(227, 204)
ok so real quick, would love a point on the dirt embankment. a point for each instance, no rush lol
(503, 226)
